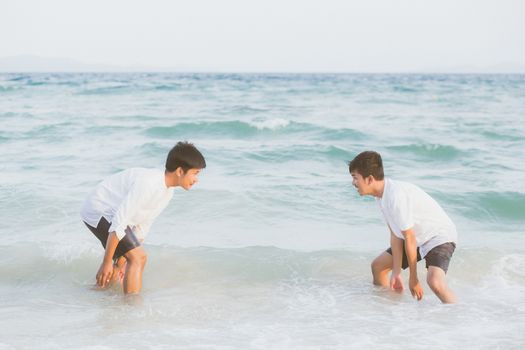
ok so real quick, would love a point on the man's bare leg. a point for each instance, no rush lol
(135, 262)
(119, 269)
(381, 267)
(438, 283)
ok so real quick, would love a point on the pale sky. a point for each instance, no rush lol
(269, 35)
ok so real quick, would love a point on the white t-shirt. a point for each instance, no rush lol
(133, 197)
(406, 206)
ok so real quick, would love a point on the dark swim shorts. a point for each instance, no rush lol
(128, 242)
(438, 256)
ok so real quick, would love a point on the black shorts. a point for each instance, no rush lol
(438, 256)
(128, 242)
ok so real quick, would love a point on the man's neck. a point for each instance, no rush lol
(379, 188)
(170, 180)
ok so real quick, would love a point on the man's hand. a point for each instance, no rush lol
(415, 288)
(411, 251)
(106, 268)
(104, 273)
(396, 283)
(119, 268)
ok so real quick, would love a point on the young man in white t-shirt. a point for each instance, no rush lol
(121, 209)
(419, 228)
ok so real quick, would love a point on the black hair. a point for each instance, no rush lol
(368, 163)
(186, 156)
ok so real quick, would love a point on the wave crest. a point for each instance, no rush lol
(429, 151)
(240, 129)
(497, 207)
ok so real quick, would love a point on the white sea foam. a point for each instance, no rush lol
(271, 124)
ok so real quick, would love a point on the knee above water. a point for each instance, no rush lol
(376, 265)
(436, 284)
(138, 258)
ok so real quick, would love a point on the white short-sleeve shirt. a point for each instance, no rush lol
(133, 197)
(406, 206)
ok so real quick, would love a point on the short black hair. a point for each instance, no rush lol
(186, 156)
(368, 163)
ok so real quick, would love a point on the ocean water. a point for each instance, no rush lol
(272, 248)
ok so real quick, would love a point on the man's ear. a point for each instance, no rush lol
(369, 179)
(179, 172)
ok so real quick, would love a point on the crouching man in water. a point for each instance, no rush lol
(419, 228)
(121, 209)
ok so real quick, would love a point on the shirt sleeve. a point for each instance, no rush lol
(137, 194)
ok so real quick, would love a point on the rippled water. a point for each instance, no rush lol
(272, 248)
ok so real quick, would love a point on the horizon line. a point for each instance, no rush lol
(31, 63)
(261, 72)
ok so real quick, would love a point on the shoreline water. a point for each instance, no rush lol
(272, 248)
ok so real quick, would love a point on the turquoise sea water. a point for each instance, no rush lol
(271, 249)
